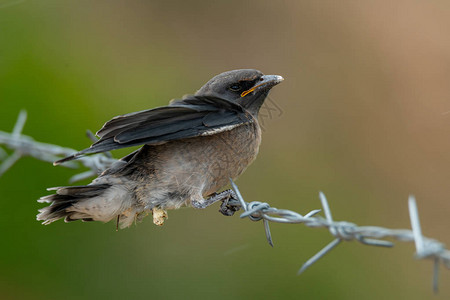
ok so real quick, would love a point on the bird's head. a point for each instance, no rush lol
(247, 87)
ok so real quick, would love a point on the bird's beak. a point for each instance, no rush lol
(265, 82)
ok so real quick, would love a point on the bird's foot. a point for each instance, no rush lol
(229, 205)
(159, 216)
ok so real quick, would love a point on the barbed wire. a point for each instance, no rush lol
(426, 248)
(23, 145)
(346, 231)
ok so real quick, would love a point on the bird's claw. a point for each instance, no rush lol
(229, 206)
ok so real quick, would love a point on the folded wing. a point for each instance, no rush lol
(190, 117)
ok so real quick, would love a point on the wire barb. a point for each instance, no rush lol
(427, 248)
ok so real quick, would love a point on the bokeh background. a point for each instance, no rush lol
(363, 115)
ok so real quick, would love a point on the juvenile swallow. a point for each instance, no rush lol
(190, 150)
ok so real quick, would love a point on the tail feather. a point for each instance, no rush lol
(62, 203)
(81, 190)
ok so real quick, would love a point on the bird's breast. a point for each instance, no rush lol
(229, 153)
(207, 162)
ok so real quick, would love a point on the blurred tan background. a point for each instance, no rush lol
(364, 116)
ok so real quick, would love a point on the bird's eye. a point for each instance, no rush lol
(235, 87)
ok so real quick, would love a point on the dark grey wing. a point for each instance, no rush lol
(190, 117)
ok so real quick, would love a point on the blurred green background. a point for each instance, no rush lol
(363, 118)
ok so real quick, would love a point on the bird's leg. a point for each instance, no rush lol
(225, 208)
(159, 216)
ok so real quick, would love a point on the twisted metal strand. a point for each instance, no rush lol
(346, 231)
(23, 145)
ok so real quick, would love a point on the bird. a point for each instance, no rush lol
(191, 148)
